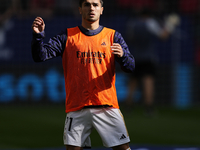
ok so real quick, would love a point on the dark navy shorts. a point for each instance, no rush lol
(144, 68)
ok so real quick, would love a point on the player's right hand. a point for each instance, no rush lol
(38, 25)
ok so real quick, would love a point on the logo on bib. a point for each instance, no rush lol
(103, 44)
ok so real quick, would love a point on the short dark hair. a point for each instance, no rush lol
(81, 2)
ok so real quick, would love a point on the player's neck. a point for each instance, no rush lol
(90, 26)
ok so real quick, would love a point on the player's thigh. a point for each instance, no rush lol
(110, 125)
(77, 129)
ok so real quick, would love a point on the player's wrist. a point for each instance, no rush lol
(39, 35)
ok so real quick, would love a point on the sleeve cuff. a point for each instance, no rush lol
(39, 35)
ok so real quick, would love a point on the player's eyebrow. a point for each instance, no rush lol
(88, 4)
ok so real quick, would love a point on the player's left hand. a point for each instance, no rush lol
(117, 49)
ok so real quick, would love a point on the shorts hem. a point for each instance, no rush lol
(85, 147)
(72, 145)
(118, 144)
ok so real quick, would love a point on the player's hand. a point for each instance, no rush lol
(38, 25)
(117, 49)
(171, 22)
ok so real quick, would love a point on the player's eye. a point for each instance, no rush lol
(87, 4)
(95, 4)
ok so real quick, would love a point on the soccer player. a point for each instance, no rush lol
(141, 34)
(88, 52)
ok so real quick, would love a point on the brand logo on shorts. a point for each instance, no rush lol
(122, 137)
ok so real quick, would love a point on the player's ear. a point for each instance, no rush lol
(102, 10)
(80, 10)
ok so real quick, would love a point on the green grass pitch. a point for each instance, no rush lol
(41, 126)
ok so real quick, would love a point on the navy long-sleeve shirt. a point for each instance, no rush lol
(55, 47)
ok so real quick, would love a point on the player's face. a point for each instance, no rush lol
(91, 10)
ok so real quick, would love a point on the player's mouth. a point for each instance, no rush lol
(91, 14)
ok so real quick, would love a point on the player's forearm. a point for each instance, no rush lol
(36, 46)
(127, 61)
(44, 51)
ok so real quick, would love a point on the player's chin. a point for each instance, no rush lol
(91, 20)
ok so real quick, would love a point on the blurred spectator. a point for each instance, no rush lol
(43, 8)
(66, 7)
(6, 12)
(141, 33)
